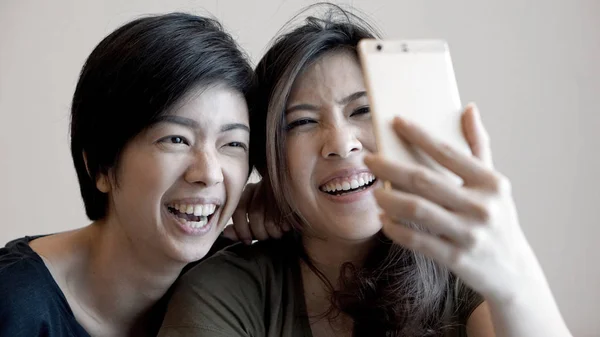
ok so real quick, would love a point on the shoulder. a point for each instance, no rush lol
(256, 261)
(226, 294)
(27, 291)
(263, 252)
(22, 271)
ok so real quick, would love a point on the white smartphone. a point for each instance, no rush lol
(413, 79)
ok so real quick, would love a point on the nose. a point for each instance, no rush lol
(205, 169)
(341, 141)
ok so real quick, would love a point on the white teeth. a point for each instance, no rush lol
(206, 210)
(197, 210)
(189, 209)
(352, 182)
(198, 224)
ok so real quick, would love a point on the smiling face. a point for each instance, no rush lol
(328, 132)
(180, 180)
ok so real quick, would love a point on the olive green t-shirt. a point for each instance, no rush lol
(256, 291)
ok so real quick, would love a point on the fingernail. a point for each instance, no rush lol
(401, 121)
(248, 242)
(474, 108)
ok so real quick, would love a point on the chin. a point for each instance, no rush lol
(359, 229)
(188, 252)
(193, 255)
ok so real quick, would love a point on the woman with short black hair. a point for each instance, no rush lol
(159, 140)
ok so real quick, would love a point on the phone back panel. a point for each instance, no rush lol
(413, 79)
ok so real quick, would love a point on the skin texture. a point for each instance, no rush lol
(330, 131)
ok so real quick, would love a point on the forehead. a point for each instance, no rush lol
(212, 105)
(334, 75)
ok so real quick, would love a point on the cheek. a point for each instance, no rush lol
(300, 162)
(367, 136)
(236, 173)
(148, 176)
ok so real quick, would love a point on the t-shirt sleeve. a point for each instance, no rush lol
(467, 300)
(24, 302)
(220, 297)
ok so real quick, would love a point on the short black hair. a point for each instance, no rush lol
(135, 75)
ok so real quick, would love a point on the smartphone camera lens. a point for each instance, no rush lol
(379, 47)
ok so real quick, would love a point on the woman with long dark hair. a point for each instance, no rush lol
(336, 273)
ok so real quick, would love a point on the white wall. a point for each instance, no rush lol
(531, 65)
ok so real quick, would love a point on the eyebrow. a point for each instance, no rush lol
(352, 97)
(192, 124)
(189, 123)
(343, 101)
(308, 107)
(234, 126)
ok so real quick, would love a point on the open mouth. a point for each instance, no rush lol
(356, 183)
(195, 216)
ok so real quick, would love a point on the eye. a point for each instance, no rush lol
(299, 122)
(361, 111)
(238, 145)
(175, 140)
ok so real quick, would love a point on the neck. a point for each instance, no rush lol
(329, 255)
(123, 278)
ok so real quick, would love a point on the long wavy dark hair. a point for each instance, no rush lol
(396, 292)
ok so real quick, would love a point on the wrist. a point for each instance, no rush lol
(533, 313)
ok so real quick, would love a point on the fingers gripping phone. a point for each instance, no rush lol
(413, 79)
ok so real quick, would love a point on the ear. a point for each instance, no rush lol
(102, 181)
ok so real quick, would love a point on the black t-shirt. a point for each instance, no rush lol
(31, 302)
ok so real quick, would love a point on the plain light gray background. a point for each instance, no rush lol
(532, 66)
